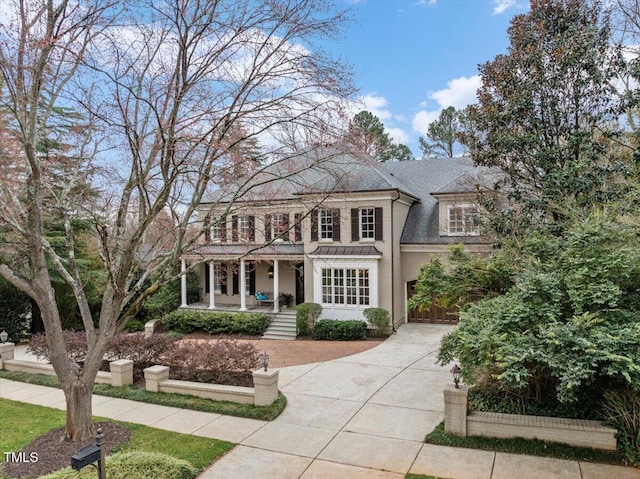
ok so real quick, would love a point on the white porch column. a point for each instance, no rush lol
(212, 285)
(243, 285)
(183, 282)
(276, 286)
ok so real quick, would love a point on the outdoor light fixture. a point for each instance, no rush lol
(270, 272)
(264, 357)
(455, 370)
(4, 336)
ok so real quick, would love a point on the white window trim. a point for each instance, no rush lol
(329, 215)
(360, 223)
(345, 311)
(464, 207)
(244, 228)
(276, 232)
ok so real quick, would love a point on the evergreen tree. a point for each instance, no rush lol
(547, 111)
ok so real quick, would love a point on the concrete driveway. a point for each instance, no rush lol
(359, 416)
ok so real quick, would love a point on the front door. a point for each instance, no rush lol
(299, 283)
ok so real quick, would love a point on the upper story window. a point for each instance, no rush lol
(279, 224)
(243, 228)
(325, 224)
(218, 232)
(461, 220)
(366, 224)
(276, 226)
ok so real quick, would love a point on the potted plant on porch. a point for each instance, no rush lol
(286, 299)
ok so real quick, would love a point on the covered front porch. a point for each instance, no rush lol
(244, 278)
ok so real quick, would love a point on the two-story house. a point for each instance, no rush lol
(343, 231)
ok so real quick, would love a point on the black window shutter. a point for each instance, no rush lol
(207, 283)
(297, 227)
(314, 225)
(267, 227)
(234, 228)
(336, 224)
(252, 229)
(355, 224)
(378, 224)
(236, 274)
(223, 229)
(252, 278)
(223, 278)
(285, 234)
(207, 228)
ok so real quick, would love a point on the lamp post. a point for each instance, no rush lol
(4, 336)
(455, 370)
(264, 357)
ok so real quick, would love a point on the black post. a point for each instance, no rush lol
(99, 441)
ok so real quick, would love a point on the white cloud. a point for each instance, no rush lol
(376, 105)
(500, 6)
(398, 135)
(422, 119)
(459, 93)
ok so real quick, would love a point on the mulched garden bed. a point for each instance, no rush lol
(55, 453)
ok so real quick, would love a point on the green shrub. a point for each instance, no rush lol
(306, 316)
(218, 322)
(379, 318)
(134, 465)
(333, 330)
(134, 325)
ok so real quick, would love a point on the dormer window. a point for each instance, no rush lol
(461, 220)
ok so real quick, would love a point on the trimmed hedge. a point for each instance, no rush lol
(134, 465)
(216, 322)
(334, 330)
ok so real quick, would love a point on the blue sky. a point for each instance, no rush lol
(411, 58)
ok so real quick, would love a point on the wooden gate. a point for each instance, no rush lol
(433, 315)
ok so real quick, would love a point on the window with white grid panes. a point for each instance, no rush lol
(461, 220)
(325, 224)
(367, 223)
(244, 228)
(348, 286)
(278, 224)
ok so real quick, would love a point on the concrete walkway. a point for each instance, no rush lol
(362, 416)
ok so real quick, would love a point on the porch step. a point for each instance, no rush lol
(283, 326)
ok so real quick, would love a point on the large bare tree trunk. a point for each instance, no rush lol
(79, 424)
(150, 103)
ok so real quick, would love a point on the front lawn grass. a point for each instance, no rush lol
(264, 413)
(22, 423)
(531, 447)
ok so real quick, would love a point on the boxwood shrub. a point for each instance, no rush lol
(134, 465)
(216, 322)
(334, 330)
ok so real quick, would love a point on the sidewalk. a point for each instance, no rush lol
(362, 416)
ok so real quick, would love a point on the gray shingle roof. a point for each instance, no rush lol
(424, 177)
(327, 169)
